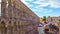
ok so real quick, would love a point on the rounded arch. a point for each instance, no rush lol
(15, 23)
(2, 23)
(18, 22)
(9, 23)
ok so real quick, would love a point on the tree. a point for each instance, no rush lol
(44, 19)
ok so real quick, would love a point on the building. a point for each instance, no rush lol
(52, 19)
(17, 18)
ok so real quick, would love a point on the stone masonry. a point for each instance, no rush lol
(17, 18)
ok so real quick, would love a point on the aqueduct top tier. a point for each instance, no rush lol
(8, 8)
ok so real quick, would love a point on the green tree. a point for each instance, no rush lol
(44, 18)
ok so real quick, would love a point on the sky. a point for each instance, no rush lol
(44, 7)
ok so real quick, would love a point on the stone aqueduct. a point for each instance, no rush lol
(16, 18)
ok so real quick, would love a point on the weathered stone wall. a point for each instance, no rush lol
(16, 18)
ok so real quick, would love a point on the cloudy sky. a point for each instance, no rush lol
(44, 7)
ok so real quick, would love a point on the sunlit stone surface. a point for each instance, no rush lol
(17, 18)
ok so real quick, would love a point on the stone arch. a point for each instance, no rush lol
(9, 28)
(15, 28)
(15, 23)
(3, 29)
(9, 23)
(18, 22)
(18, 26)
(2, 23)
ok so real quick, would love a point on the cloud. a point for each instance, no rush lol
(42, 10)
(43, 7)
(44, 3)
(41, 2)
(51, 3)
(0, 0)
(46, 11)
(23, 1)
(39, 7)
(55, 4)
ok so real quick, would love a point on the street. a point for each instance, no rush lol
(40, 30)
